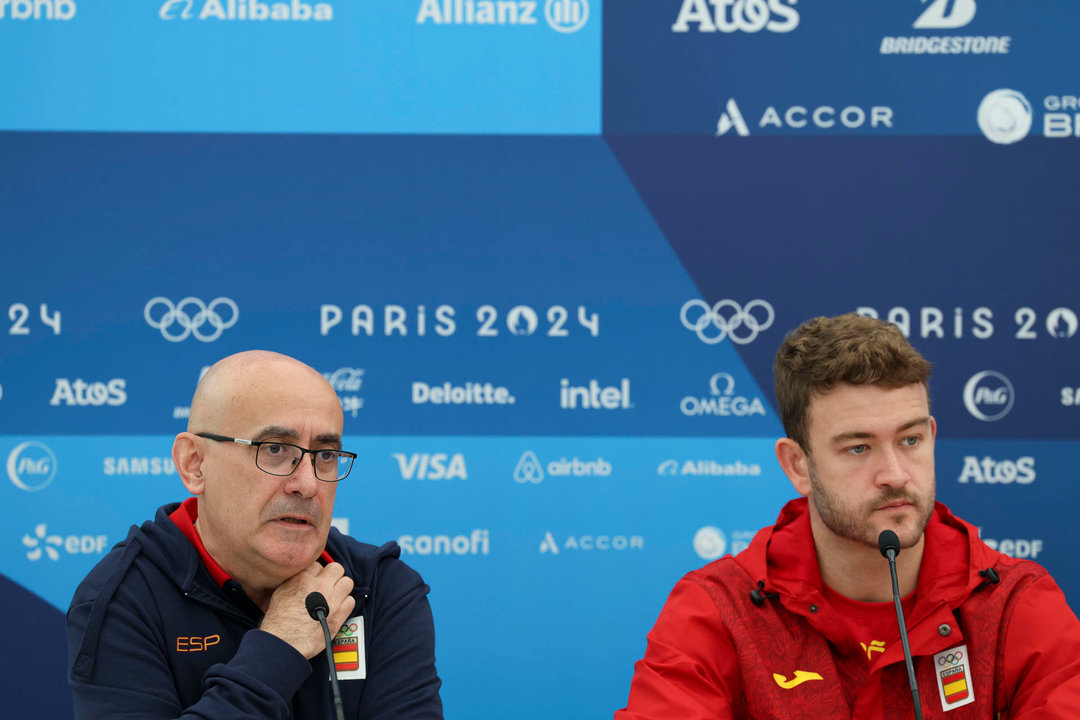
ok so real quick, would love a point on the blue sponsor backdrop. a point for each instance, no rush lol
(531, 324)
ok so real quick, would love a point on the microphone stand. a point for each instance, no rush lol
(889, 545)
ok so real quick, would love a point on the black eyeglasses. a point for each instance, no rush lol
(281, 459)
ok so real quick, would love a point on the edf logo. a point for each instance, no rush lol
(988, 396)
(31, 466)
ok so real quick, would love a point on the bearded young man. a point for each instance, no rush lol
(201, 612)
(802, 623)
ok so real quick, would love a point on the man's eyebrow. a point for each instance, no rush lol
(329, 439)
(862, 435)
(275, 431)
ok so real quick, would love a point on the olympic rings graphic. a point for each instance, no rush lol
(950, 659)
(727, 316)
(191, 324)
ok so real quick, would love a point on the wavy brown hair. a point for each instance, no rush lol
(824, 352)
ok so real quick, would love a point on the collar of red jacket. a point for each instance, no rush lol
(185, 517)
(784, 556)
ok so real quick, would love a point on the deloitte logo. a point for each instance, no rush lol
(1004, 116)
(988, 396)
(31, 466)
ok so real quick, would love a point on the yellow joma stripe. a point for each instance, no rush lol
(801, 676)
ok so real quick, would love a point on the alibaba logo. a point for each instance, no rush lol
(801, 676)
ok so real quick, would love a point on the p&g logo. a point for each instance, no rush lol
(31, 466)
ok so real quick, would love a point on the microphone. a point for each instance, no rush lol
(318, 609)
(889, 545)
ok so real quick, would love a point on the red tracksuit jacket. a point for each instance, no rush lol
(717, 653)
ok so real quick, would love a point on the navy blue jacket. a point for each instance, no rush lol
(141, 639)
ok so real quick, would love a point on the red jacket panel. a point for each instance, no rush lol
(717, 653)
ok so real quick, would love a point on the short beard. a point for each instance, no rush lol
(846, 523)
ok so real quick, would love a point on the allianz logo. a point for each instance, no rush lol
(40, 543)
(708, 468)
(594, 396)
(470, 393)
(80, 393)
(478, 542)
(529, 468)
(588, 543)
(564, 16)
(1005, 472)
(139, 466)
(432, 466)
(294, 10)
(37, 10)
(728, 16)
(722, 401)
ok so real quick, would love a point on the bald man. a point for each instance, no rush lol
(201, 612)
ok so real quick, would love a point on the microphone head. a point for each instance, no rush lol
(887, 541)
(316, 602)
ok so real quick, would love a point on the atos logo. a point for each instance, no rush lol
(41, 542)
(722, 401)
(31, 466)
(1005, 472)
(728, 16)
(988, 396)
(80, 393)
(432, 466)
(37, 9)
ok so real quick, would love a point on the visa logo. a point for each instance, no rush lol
(431, 466)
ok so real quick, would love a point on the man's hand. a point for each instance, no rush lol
(287, 615)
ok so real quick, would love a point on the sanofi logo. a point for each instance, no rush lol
(31, 466)
(988, 396)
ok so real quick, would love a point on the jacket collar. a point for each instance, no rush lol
(783, 556)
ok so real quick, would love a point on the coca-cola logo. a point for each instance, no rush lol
(346, 379)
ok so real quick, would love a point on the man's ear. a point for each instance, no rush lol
(188, 460)
(795, 463)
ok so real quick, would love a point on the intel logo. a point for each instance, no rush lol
(988, 396)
